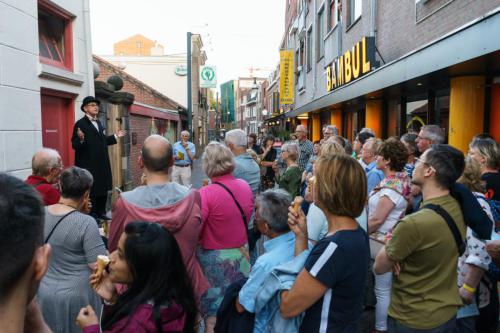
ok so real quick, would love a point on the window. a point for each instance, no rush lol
(54, 37)
(333, 14)
(355, 12)
(309, 49)
(320, 41)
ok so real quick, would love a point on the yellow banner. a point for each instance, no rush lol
(286, 77)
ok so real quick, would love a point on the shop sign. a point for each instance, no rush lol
(208, 79)
(286, 77)
(181, 70)
(352, 64)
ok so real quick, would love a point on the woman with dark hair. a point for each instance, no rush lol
(267, 158)
(158, 296)
(76, 243)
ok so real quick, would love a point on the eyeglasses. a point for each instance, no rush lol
(419, 160)
(423, 138)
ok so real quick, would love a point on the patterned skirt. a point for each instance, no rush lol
(221, 268)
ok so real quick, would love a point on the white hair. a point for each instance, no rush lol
(44, 160)
(185, 132)
(292, 149)
(217, 160)
(237, 137)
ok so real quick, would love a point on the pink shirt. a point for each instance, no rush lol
(223, 226)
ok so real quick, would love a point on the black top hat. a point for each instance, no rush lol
(88, 100)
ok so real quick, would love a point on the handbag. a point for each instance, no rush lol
(57, 223)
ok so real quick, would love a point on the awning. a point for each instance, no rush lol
(153, 111)
(275, 118)
(472, 40)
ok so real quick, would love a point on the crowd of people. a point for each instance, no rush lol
(404, 228)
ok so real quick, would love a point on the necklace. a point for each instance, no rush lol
(68, 205)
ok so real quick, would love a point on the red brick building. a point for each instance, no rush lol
(151, 113)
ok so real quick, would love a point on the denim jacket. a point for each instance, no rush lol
(281, 278)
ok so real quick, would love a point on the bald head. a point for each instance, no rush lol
(44, 161)
(156, 154)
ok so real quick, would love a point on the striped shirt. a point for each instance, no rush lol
(305, 152)
(340, 262)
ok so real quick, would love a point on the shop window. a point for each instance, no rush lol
(416, 115)
(393, 117)
(320, 40)
(442, 108)
(309, 49)
(355, 10)
(54, 36)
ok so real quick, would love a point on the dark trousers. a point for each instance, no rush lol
(98, 205)
(393, 326)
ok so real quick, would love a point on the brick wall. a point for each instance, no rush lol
(140, 126)
(142, 92)
(399, 33)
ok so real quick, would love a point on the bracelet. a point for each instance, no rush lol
(468, 288)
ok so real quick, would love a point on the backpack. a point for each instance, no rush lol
(495, 211)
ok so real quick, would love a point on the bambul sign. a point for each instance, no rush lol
(352, 64)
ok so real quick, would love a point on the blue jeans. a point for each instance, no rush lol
(393, 326)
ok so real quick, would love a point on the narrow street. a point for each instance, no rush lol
(197, 174)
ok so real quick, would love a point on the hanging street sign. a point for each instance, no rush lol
(208, 77)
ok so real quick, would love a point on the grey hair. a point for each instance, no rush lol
(293, 150)
(434, 133)
(217, 160)
(44, 160)
(367, 130)
(333, 128)
(186, 132)
(75, 182)
(273, 208)
(237, 137)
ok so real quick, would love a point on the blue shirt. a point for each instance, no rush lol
(178, 148)
(278, 250)
(248, 170)
(373, 175)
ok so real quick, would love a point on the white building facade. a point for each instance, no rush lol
(45, 72)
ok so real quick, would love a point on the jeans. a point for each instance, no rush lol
(383, 294)
(393, 326)
(466, 325)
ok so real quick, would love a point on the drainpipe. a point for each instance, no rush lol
(374, 19)
(85, 19)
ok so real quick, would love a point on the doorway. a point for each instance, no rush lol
(57, 124)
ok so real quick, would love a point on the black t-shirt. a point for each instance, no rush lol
(492, 180)
(256, 148)
(270, 157)
(340, 262)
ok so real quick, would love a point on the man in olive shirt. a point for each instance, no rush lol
(423, 253)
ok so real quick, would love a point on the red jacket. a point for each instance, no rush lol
(50, 195)
(173, 319)
(182, 219)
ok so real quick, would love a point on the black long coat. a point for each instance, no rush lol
(92, 154)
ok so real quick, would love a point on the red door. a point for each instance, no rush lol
(57, 125)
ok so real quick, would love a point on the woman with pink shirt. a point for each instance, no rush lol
(227, 205)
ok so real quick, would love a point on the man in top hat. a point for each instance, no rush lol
(90, 143)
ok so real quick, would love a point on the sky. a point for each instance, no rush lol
(236, 34)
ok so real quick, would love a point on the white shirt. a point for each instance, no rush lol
(396, 213)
